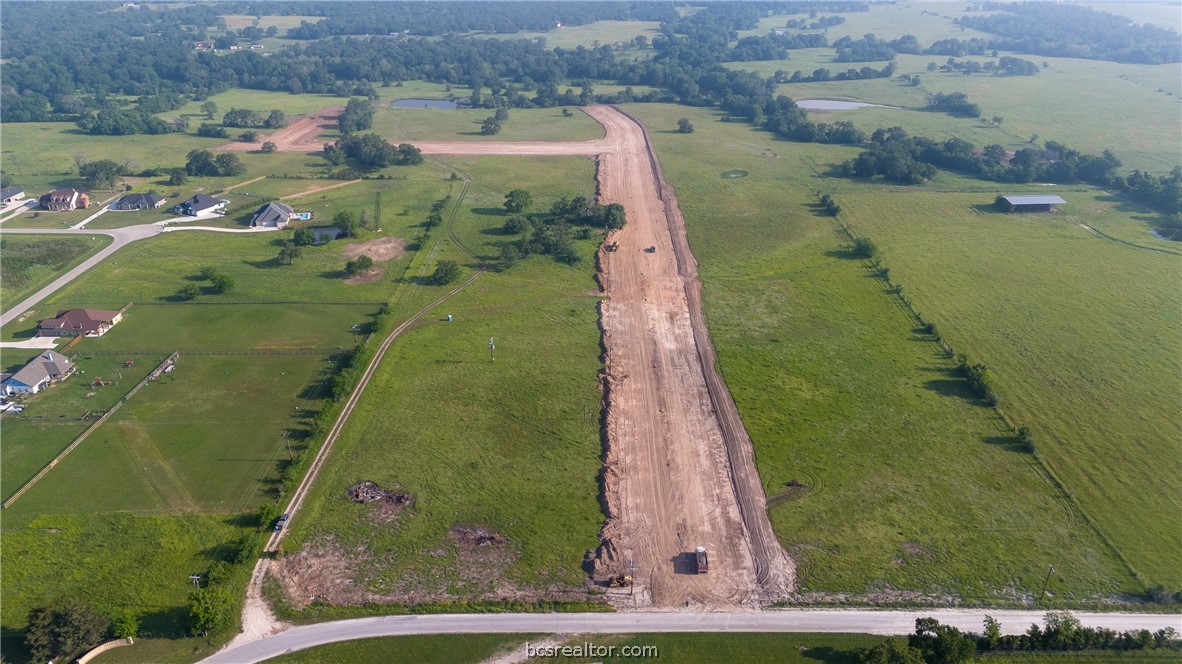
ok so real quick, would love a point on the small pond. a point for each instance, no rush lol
(833, 105)
(424, 103)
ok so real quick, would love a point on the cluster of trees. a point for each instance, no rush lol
(934, 643)
(492, 124)
(113, 122)
(1074, 31)
(370, 18)
(959, 47)
(70, 629)
(372, 152)
(871, 49)
(359, 265)
(820, 24)
(219, 284)
(553, 233)
(203, 163)
(446, 271)
(101, 174)
(209, 130)
(833, 209)
(783, 117)
(979, 378)
(244, 117)
(358, 115)
(823, 74)
(954, 103)
(901, 158)
(1006, 66)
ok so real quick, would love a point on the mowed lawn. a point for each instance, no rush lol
(912, 484)
(510, 445)
(1081, 332)
(31, 262)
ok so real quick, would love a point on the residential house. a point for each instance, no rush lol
(203, 45)
(200, 204)
(138, 202)
(41, 372)
(256, 47)
(79, 323)
(11, 194)
(60, 200)
(272, 215)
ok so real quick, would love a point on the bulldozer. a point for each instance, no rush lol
(620, 581)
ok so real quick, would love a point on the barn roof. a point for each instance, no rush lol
(1034, 200)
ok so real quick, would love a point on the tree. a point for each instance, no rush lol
(100, 174)
(304, 237)
(74, 627)
(941, 644)
(516, 224)
(445, 272)
(221, 282)
(992, 633)
(126, 625)
(518, 200)
(510, 254)
(270, 147)
(864, 247)
(190, 291)
(490, 127)
(210, 109)
(346, 221)
(248, 136)
(181, 122)
(210, 609)
(208, 130)
(289, 252)
(359, 265)
(177, 177)
(997, 120)
(276, 120)
(684, 126)
(228, 164)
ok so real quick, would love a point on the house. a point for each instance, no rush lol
(201, 203)
(41, 372)
(1036, 203)
(256, 47)
(138, 202)
(11, 194)
(272, 215)
(203, 45)
(60, 200)
(79, 323)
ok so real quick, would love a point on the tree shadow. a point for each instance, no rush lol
(265, 264)
(496, 230)
(1008, 443)
(816, 209)
(334, 274)
(847, 254)
(164, 623)
(244, 520)
(498, 212)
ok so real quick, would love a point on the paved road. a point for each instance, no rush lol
(870, 622)
(122, 237)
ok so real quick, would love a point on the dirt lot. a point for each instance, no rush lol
(300, 135)
(680, 468)
(381, 249)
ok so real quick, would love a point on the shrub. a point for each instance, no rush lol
(864, 247)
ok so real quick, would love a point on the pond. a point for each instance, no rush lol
(833, 105)
(423, 103)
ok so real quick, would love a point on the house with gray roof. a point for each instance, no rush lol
(138, 202)
(201, 203)
(10, 194)
(272, 215)
(41, 372)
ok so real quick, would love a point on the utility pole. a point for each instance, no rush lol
(1050, 570)
(492, 346)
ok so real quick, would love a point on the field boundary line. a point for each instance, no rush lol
(317, 190)
(89, 430)
(1099, 233)
(241, 184)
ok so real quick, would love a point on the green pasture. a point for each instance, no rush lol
(239, 21)
(115, 561)
(523, 429)
(257, 100)
(30, 262)
(591, 34)
(927, 21)
(1080, 332)
(1163, 14)
(913, 484)
(401, 125)
(207, 437)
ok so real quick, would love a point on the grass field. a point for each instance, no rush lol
(116, 561)
(1163, 14)
(31, 262)
(591, 34)
(238, 21)
(915, 485)
(524, 429)
(258, 100)
(415, 124)
(927, 21)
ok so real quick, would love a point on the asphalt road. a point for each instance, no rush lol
(122, 237)
(867, 622)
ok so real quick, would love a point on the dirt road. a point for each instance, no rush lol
(301, 135)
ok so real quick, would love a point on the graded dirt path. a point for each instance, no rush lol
(301, 135)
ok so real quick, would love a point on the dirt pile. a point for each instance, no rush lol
(475, 538)
(386, 504)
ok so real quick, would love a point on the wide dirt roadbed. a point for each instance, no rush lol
(670, 484)
(301, 135)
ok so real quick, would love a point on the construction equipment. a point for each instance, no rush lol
(651, 250)
(620, 581)
(703, 562)
(614, 246)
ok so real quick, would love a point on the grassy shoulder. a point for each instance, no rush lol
(887, 478)
(445, 649)
(31, 262)
(509, 446)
